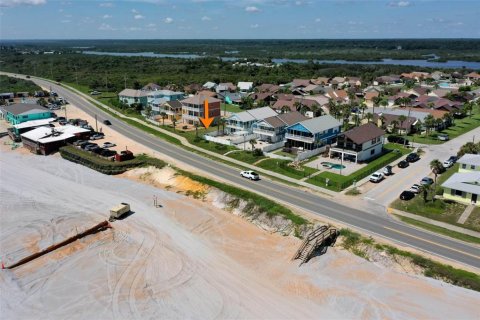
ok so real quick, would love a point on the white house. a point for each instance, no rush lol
(243, 121)
(245, 86)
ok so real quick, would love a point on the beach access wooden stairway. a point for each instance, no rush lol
(317, 238)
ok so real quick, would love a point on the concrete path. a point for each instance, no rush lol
(466, 214)
(434, 222)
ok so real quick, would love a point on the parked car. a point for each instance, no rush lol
(447, 163)
(376, 177)
(387, 170)
(60, 118)
(250, 175)
(108, 153)
(415, 188)
(107, 122)
(97, 136)
(443, 137)
(403, 164)
(426, 181)
(62, 122)
(453, 159)
(398, 139)
(91, 147)
(108, 145)
(78, 143)
(412, 157)
(407, 195)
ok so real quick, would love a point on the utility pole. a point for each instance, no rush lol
(96, 124)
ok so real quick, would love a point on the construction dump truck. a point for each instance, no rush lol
(117, 211)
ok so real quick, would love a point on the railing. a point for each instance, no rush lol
(299, 138)
(270, 133)
(316, 238)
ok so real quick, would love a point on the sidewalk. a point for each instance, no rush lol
(434, 222)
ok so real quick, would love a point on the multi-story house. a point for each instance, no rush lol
(243, 121)
(22, 112)
(193, 108)
(131, 96)
(273, 129)
(360, 143)
(312, 133)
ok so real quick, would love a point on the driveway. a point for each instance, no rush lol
(387, 191)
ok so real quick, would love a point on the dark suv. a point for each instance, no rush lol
(412, 157)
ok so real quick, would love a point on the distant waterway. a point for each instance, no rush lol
(454, 64)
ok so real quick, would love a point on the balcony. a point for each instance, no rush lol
(270, 133)
(299, 138)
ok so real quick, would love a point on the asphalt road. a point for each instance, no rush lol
(373, 224)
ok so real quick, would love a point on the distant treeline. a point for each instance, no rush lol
(376, 49)
(14, 85)
(109, 72)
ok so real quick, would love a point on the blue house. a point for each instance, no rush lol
(22, 112)
(312, 133)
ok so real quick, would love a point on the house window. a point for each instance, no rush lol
(472, 167)
(459, 193)
(372, 151)
(24, 117)
(452, 192)
(464, 166)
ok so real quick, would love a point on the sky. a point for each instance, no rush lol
(239, 19)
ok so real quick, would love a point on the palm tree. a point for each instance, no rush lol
(356, 119)
(394, 125)
(148, 111)
(401, 120)
(174, 122)
(369, 117)
(437, 167)
(425, 190)
(223, 121)
(447, 119)
(363, 107)
(164, 116)
(382, 120)
(384, 103)
(429, 122)
(252, 143)
(376, 102)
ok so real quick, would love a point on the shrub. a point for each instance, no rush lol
(258, 152)
(105, 166)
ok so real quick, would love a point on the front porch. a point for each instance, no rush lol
(343, 154)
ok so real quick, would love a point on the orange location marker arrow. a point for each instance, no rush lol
(206, 120)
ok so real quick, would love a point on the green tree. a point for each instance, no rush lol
(252, 143)
(148, 111)
(429, 123)
(174, 123)
(437, 168)
(164, 116)
(469, 147)
(394, 125)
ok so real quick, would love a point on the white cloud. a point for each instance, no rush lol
(399, 4)
(168, 20)
(66, 21)
(107, 16)
(205, 18)
(13, 3)
(138, 17)
(254, 26)
(106, 5)
(106, 27)
(135, 11)
(252, 9)
(318, 20)
(151, 25)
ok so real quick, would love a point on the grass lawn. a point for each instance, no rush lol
(230, 108)
(285, 154)
(280, 166)
(245, 156)
(440, 230)
(459, 127)
(337, 182)
(440, 210)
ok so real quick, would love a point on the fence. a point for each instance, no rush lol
(273, 146)
(343, 182)
(218, 140)
(307, 154)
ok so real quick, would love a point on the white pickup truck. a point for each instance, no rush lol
(118, 211)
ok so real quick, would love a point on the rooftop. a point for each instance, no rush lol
(24, 108)
(47, 134)
(464, 181)
(469, 158)
(364, 133)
